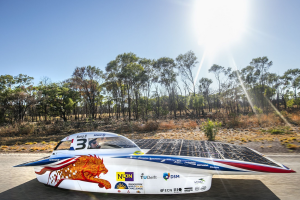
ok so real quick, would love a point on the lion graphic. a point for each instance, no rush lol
(83, 168)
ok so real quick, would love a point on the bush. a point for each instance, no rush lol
(257, 110)
(26, 129)
(150, 126)
(292, 146)
(234, 120)
(280, 130)
(210, 129)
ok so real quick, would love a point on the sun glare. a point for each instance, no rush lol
(219, 22)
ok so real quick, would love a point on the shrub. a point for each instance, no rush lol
(280, 130)
(275, 131)
(150, 126)
(234, 120)
(291, 146)
(26, 129)
(210, 129)
(258, 110)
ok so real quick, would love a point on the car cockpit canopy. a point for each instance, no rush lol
(95, 141)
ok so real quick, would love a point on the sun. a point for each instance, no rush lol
(219, 22)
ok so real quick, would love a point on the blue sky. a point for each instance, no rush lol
(50, 38)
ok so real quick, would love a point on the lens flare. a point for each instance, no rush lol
(219, 22)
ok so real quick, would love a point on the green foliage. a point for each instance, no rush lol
(280, 130)
(290, 103)
(210, 129)
(257, 110)
(197, 101)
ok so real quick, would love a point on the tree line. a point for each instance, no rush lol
(134, 88)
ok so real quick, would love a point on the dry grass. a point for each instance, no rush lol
(167, 125)
(295, 117)
(34, 148)
(4, 147)
(190, 125)
(12, 148)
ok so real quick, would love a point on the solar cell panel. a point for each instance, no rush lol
(204, 149)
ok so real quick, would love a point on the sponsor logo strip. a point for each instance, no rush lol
(180, 162)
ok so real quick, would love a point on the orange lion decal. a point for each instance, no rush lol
(84, 168)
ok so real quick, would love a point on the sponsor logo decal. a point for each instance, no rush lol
(177, 190)
(203, 188)
(166, 176)
(190, 163)
(201, 180)
(188, 189)
(143, 158)
(128, 191)
(165, 190)
(135, 186)
(177, 161)
(99, 134)
(138, 192)
(215, 167)
(197, 188)
(138, 153)
(154, 158)
(81, 136)
(119, 190)
(121, 185)
(125, 176)
(202, 165)
(163, 160)
(148, 177)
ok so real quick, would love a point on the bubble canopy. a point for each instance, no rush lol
(95, 141)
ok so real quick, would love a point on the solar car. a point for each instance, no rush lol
(111, 163)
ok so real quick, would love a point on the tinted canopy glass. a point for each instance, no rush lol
(110, 143)
(63, 145)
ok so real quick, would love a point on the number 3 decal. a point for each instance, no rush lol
(81, 142)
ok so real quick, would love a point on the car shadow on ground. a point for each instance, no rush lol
(221, 189)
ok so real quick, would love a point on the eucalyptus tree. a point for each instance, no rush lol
(133, 75)
(6, 83)
(204, 88)
(21, 98)
(149, 79)
(292, 78)
(261, 66)
(218, 70)
(122, 70)
(62, 99)
(87, 78)
(165, 67)
(185, 63)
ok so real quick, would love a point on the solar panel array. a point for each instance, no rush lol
(204, 149)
